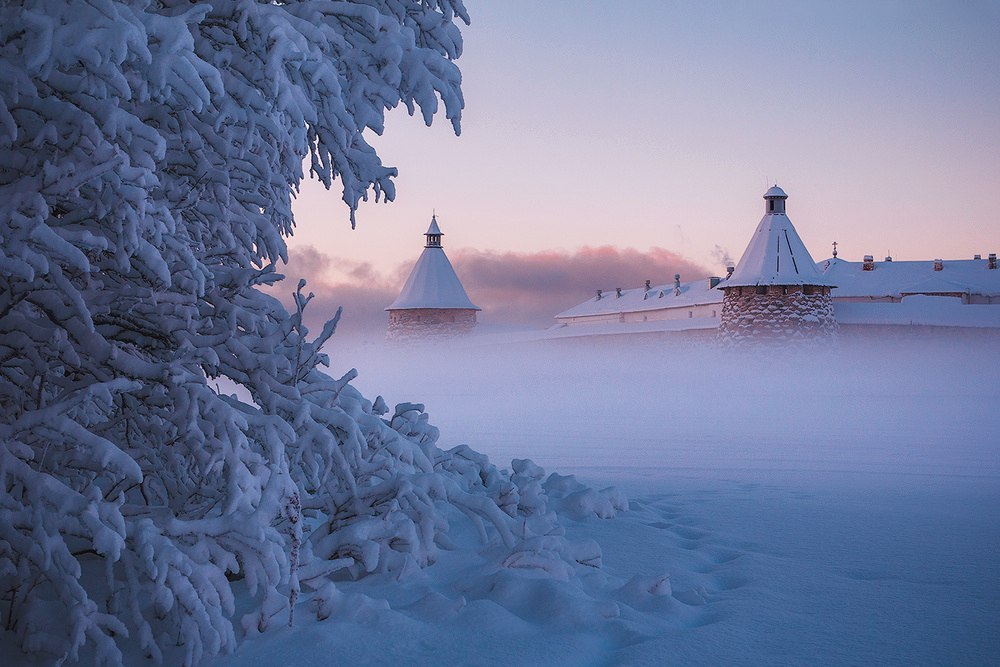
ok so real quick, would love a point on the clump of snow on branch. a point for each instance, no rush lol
(148, 156)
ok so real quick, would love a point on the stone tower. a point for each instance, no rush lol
(433, 302)
(776, 291)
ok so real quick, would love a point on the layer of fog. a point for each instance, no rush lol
(879, 406)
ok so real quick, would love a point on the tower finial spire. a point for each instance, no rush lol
(835, 249)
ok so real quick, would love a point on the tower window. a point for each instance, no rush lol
(770, 205)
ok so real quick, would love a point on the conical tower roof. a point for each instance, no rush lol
(775, 254)
(433, 282)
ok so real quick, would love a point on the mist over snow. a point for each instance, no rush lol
(877, 407)
(514, 289)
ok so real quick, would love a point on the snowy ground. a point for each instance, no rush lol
(832, 509)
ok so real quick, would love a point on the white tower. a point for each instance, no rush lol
(776, 291)
(433, 302)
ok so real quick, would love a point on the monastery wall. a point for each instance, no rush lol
(867, 299)
(916, 332)
(782, 313)
(430, 323)
(675, 313)
(660, 314)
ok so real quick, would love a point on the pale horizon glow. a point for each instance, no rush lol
(661, 124)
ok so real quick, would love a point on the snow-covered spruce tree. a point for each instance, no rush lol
(149, 151)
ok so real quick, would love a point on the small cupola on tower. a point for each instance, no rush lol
(433, 234)
(774, 200)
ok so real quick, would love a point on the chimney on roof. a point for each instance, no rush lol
(992, 261)
(938, 264)
(977, 256)
(647, 285)
(713, 281)
(618, 292)
(600, 293)
(677, 284)
(729, 271)
(888, 258)
(869, 263)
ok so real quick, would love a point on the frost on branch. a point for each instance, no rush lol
(148, 156)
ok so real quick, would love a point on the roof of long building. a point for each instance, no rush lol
(640, 299)
(896, 278)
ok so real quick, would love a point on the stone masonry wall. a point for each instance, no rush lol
(783, 313)
(419, 323)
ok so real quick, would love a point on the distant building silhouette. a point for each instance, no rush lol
(778, 291)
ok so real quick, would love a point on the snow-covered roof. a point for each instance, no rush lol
(776, 254)
(893, 279)
(433, 282)
(640, 299)
(434, 229)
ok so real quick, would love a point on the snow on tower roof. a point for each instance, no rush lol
(434, 229)
(776, 254)
(433, 282)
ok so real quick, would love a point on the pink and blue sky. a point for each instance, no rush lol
(608, 143)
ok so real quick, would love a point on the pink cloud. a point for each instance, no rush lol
(513, 289)
(530, 288)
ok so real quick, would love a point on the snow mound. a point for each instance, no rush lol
(579, 501)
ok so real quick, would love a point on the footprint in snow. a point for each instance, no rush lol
(689, 533)
(693, 597)
(729, 581)
(723, 556)
(708, 618)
